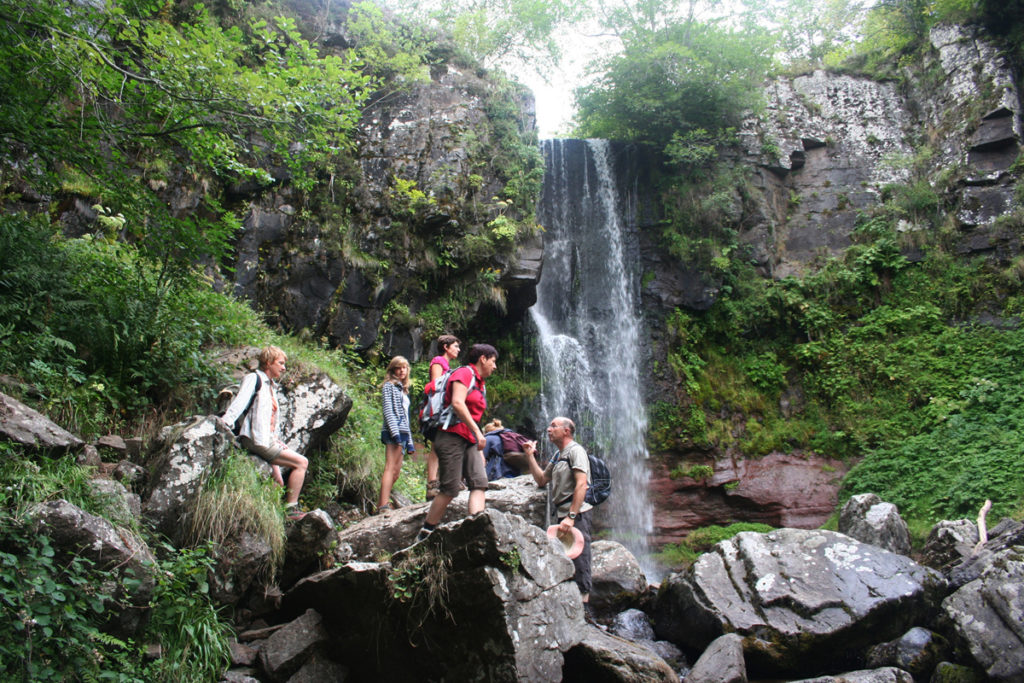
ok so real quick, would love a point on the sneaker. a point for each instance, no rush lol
(433, 488)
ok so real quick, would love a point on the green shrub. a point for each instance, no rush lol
(51, 614)
(193, 638)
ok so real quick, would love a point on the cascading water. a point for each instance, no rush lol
(588, 328)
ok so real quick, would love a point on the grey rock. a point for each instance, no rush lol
(310, 542)
(243, 561)
(986, 616)
(244, 675)
(312, 408)
(797, 597)
(918, 651)
(113, 442)
(320, 669)
(289, 648)
(1006, 535)
(89, 456)
(183, 456)
(721, 662)
(74, 532)
(491, 596)
(122, 508)
(618, 579)
(869, 520)
(129, 474)
(26, 426)
(948, 542)
(394, 530)
(884, 675)
(242, 654)
(600, 656)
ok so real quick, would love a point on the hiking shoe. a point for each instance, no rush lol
(433, 488)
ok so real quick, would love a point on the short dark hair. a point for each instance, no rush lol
(478, 351)
(446, 340)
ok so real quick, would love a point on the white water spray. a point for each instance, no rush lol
(589, 329)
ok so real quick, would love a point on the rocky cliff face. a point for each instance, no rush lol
(831, 145)
(377, 251)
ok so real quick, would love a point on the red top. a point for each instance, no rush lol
(476, 402)
(436, 360)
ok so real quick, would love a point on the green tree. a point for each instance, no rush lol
(675, 80)
(500, 33)
(98, 92)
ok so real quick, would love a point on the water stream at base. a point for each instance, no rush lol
(589, 330)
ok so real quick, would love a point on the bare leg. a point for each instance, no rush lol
(299, 464)
(392, 468)
(477, 501)
(437, 508)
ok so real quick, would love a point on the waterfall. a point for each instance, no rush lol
(589, 330)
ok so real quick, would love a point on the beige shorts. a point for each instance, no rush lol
(268, 453)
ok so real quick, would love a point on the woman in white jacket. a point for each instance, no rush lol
(258, 433)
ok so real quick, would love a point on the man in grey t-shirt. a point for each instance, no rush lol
(569, 474)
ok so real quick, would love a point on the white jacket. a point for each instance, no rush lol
(256, 424)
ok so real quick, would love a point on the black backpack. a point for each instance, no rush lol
(600, 480)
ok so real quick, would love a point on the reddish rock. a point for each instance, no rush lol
(781, 490)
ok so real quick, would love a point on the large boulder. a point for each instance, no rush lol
(1004, 536)
(986, 616)
(487, 597)
(23, 425)
(184, 456)
(800, 599)
(601, 656)
(870, 520)
(76, 533)
(617, 577)
(396, 529)
(721, 662)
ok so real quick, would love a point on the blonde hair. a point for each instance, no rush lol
(268, 354)
(491, 426)
(398, 362)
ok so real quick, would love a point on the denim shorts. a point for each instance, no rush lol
(388, 440)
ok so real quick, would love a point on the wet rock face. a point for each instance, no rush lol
(323, 273)
(778, 489)
(796, 597)
(822, 150)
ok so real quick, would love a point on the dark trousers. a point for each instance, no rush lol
(583, 577)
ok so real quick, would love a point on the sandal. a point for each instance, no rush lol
(433, 488)
(294, 514)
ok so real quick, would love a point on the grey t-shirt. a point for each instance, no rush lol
(563, 481)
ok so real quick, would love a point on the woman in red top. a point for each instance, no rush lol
(460, 446)
(449, 347)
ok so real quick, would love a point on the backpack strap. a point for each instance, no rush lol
(252, 398)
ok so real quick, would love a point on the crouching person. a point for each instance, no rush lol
(258, 433)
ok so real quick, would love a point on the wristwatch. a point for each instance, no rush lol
(572, 515)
